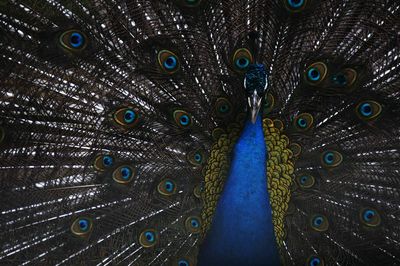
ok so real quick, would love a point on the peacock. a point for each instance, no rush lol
(200, 132)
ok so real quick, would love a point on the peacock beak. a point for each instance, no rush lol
(254, 102)
(255, 84)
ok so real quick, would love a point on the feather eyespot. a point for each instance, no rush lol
(305, 181)
(167, 187)
(331, 159)
(241, 60)
(124, 174)
(148, 238)
(102, 162)
(193, 224)
(82, 226)
(223, 107)
(295, 5)
(196, 157)
(303, 121)
(189, 3)
(370, 217)
(73, 40)
(368, 110)
(183, 262)
(339, 79)
(344, 78)
(315, 261)
(316, 73)
(192, 3)
(319, 223)
(182, 118)
(126, 117)
(168, 61)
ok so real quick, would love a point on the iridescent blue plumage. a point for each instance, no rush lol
(242, 232)
(256, 79)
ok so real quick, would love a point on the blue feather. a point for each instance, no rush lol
(242, 232)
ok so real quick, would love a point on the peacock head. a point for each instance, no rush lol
(256, 84)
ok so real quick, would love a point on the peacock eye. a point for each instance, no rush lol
(148, 238)
(305, 181)
(339, 79)
(192, 3)
(183, 262)
(344, 78)
(295, 4)
(127, 117)
(368, 110)
(242, 58)
(73, 40)
(316, 73)
(166, 187)
(82, 226)
(102, 162)
(182, 118)
(193, 224)
(223, 107)
(315, 261)
(331, 159)
(168, 61)
(319, 223)
(304, 121)
(123, 174)
(196, 157)
(370, 217)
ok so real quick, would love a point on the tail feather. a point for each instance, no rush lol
(110, 109)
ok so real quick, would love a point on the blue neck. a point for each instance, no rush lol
(242, 232)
